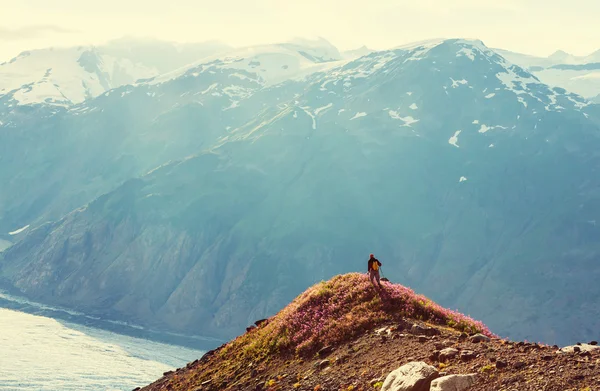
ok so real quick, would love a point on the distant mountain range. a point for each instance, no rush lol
(67, 76)
(580, 75)
(200, 199)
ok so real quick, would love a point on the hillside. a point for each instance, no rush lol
(344, 335)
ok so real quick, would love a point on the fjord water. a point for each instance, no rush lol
(41, 353)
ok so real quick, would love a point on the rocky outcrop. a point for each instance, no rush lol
(413, 376)
(453, 383)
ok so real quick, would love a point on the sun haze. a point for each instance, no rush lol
(535, 26)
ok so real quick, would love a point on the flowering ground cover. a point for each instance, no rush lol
(342, 308)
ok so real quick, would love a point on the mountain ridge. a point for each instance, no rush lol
(346, 334)
(437, 155)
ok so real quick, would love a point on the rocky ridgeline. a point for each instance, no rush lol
(394, 354)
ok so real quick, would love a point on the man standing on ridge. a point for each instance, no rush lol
(373, 266)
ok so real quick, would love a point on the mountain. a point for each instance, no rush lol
(473, 181)
(160, 55)
(68, 76)
(342, 334)
(56, 159)
(356, 53)
(580, 75)
(65, 76)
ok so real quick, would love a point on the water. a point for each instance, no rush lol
(40, 353)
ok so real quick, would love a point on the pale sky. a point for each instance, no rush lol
(536, 27)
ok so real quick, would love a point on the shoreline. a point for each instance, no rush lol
(16, 303)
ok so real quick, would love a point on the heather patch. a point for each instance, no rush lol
(340, 309)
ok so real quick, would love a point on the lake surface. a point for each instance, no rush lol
(43, 353)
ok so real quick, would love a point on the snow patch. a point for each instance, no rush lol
(489, 96)
(18, 231)
(359, 115)
(210, 88)
(466, 52)
(462, 179)
(484, 128)
(514, 82)
(413, 106)
(476, 121)
(314, 120)
(320, 109)
(408, 120)
(454, 139)
(456, 83)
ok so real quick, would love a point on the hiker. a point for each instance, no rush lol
(373, 266)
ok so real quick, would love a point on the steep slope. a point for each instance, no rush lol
(57, 159)
(344, 335)
(474, 181)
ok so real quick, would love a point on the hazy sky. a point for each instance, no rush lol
(531, 26)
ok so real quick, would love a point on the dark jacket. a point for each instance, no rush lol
(371, 261)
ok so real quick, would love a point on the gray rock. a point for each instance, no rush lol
(325, 351)
(453, 383)
(578, 348)
(448, 353)
(324, 363)
(467, 355)
(479, 338)
(414, 376)
(423, 330)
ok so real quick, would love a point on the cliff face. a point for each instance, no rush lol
(344, 334)
(470, 179)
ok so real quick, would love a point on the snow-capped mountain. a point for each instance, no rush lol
(203, 199)
(356, 53)
(578, 74)
(266, 65)
(161, 55)
(67, 76)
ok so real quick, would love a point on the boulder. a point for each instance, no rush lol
(467, 355)
(479, 338)
(324, 363)
(453, 383)
(414, 376)
(261, 321)
(584, 347)
(447, 354)
(442, 345)
(424, 330)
